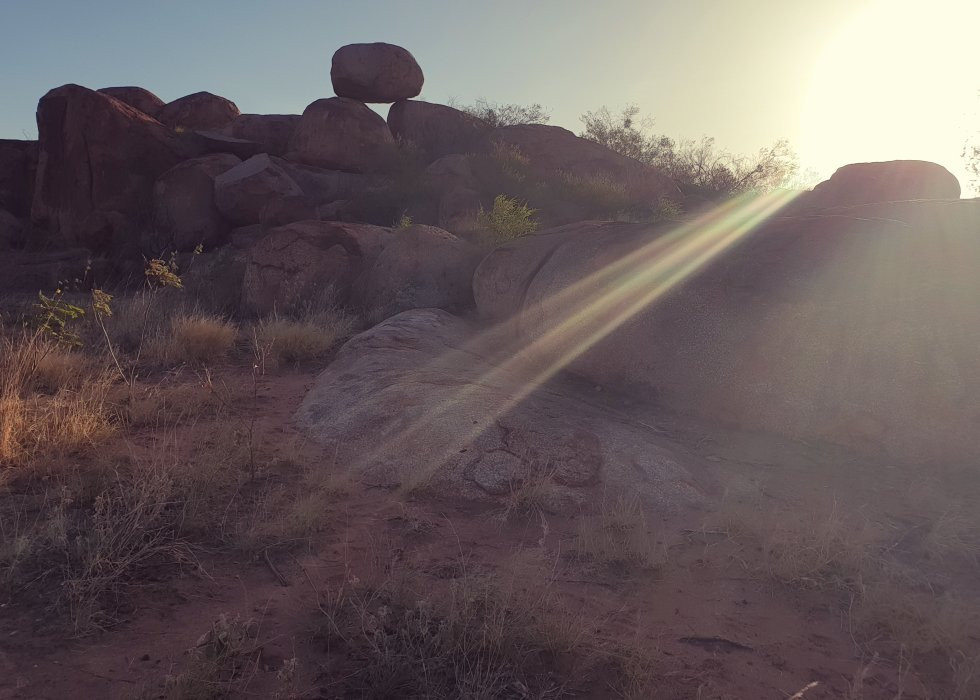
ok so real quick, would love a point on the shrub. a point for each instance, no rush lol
(507, 220)
(198, 338)
(283, 340)
(500, 114)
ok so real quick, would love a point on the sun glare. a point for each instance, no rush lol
(900, 81)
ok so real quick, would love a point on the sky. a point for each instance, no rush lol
(843, 80)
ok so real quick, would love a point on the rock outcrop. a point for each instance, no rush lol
(890, 181)
(98, 160)
(200, 111)
(271, 132)
(438, 130)
(424, 400)
(184, 211)
(140, 98)
(340, 134)
(853, 327)
(241, 192)
(294, 263)
(18, 166)
(421, 267)
(375, 73)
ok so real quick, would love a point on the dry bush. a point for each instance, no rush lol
(291, 341)
(197, 338)
(222, 662)
(76, 414)
(532, 496)
(617, 535)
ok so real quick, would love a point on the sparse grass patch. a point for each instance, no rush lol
(507, 219)
(617, 535)
(199, 338)
(222, 662)
(291, 341)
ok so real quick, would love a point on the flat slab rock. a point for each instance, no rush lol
(426, 398)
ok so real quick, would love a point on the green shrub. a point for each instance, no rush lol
(507, 220)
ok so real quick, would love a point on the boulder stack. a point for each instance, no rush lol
(375, 73)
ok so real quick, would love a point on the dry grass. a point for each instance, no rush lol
(283, 341)
(223, 661)
(74, 414)
(617, 535)
(197, 338)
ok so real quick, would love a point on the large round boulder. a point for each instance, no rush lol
(184, 212)
(140, 98)
(271, 132)
(890, 181)
(241, 192)
(376, 72)
(850, 328)
(341, 134)
(200, 111)
(96, 155)
(437, 130)
(422, 267)
(294, 263)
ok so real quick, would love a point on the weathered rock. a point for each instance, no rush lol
(137, 97)
(286, 210)
(436, 129)
(340, 134)
(458, 211)
(200, 111)
(184, 212)
(890, 181)
(11, 230)
(451, 172)
(321, 186)
(375, 73)
(18, 167)
(299, 261)
(422, 399)
(340, 210)
(96, 155)
(552, 149)
(422, 267)
(271, 132)
(214, 279)
(241, 192)
(850, 328)
(34, 271)
(210, 142)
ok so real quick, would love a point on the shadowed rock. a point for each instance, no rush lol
(340, 134)
(241, 192)
(890, 181)
(270, 131)
(376, 72)
(436, 129)
(200, 111)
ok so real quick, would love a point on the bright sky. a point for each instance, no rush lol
(843, 80)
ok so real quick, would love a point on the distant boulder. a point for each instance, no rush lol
(890, 181)
(294, 262)
(98, 160)
(422, 267)
(339, 133)
(271, 132)
(241, 192)
(436, 129)
(140, 98)
(184, 212)
(375, 73)
(200, 111)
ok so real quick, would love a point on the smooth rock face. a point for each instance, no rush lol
(11, 230)
(853, 328)
(421, 399)
(890, 181)
(552, 149)
(299, 261)
(97, 156)
(458, 211)
(340, 134)
(375, 73)
(200, 111)
(286, 210)
(422, 267)
(322, 186)
(184, 212)
(140, 98)
(241, 192)
(436, 129)
(270, 131)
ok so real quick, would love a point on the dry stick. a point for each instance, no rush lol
(798, 695)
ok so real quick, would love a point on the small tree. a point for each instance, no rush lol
(499, 114)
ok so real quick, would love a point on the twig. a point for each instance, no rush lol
(272, 567)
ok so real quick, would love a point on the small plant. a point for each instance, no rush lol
(200, 338)
(617, 535)
(56, 318)
(163, 273)
(404, 221)
(291, 341)
(507, 220)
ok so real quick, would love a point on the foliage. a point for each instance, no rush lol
(505, 114)
(508, 219)
(699, 165)
(404, 221)
(163, 273)
(55, 317)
